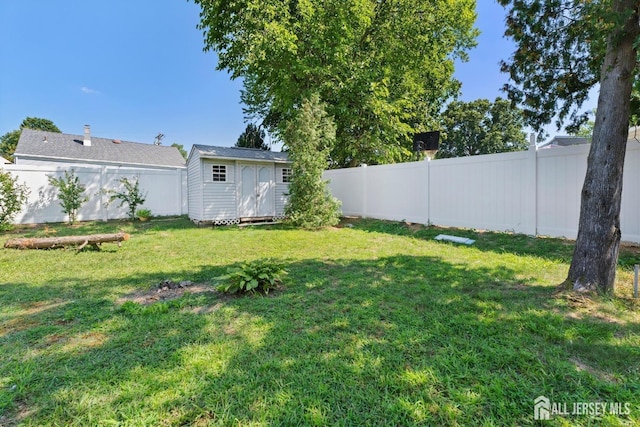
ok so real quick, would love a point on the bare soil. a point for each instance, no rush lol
(166, 290)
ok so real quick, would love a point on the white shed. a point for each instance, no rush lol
(229, 185)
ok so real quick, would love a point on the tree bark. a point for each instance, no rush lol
(60, 242)
(593, 267)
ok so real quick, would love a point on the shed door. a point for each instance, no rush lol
(256, 191)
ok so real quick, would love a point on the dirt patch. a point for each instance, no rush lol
(631, 248)
(166, 290)
(22, 413)
(415, 227)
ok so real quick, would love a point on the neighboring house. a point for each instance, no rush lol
(567, 141)
(100, 164)
(229, 185)
(39, 148)
(564, 141)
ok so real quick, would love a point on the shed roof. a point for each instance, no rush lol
(236, 153)
(61, 146)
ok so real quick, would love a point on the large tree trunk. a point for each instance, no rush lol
(593, 267)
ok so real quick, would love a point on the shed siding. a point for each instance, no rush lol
(281, 198)
(212, 200)
(218, 198)
(282, 190)
(195, 189)
(219, 201)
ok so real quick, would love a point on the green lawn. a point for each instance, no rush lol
(377, 324)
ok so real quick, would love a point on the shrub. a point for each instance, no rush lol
(250, 277)
(131, 196)
(310, 137)
(71, 193)
(12, 197)
(143, 214)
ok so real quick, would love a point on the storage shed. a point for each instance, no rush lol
(229, 185)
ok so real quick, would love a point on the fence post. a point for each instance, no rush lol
(363, 168)
(427, 164)
(533, 187)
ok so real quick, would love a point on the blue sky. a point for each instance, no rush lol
(132, 69)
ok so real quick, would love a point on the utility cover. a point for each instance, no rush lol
(455, 239)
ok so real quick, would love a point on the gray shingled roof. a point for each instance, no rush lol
(565, 141)
(210, 152)
(61, 146)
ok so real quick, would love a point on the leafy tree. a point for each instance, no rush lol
(12, 197)
(8, 143)
(9, 140)
(382, 68)
(634, 119)
(181, 149)
(564, 47)
(132, 196)
(586, 129)
(71, 193)
(37, 123)
(481, 127)
(252, 137)
(310, 136)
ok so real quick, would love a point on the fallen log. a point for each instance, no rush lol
(61, 242)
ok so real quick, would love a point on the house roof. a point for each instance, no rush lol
(236, 153)
(565, 141)
(61, 146)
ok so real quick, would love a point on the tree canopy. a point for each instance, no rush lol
(481, 127)
(9, 140)
(561, 46)
(383, 68)
(564, 48)
(252, 137)
(181, 149)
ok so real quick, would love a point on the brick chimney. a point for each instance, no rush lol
(87, 136)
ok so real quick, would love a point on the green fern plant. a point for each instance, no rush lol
(261, 275)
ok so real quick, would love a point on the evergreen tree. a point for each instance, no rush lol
(310, 136)
(252, 137)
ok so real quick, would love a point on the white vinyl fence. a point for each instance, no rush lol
(165, 191)
(535, 192)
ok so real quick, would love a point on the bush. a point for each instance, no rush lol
(250, 277)
(131, 196)
(12, 197)
(71, 193)
(143, 214)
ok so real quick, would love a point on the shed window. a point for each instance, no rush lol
(287, 173)
(219, 173)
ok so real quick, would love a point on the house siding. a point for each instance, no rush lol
(62, 163)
